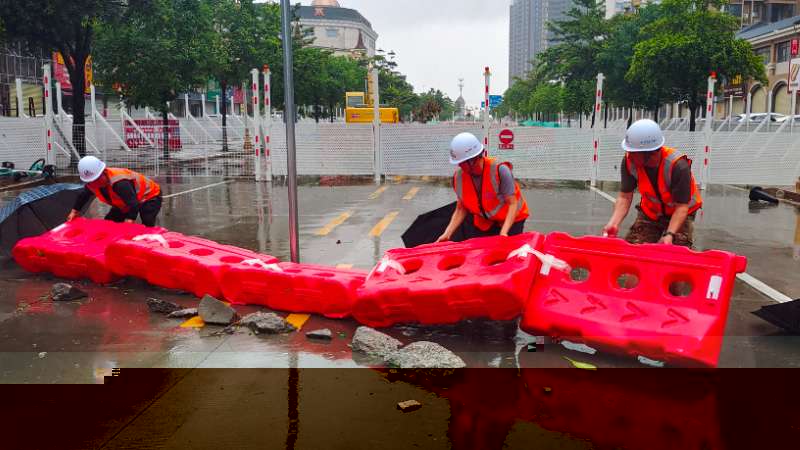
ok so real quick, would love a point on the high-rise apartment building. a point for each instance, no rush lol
(529, 34)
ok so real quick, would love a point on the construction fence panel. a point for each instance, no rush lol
(417, 149)
(325, 148)
(22, 141)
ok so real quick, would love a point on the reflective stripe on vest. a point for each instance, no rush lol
(669, 157)
(144, 188)
(484, 218)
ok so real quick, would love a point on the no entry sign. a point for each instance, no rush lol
(506, 138)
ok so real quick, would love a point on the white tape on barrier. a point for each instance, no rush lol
(152, 238)
(263, 265)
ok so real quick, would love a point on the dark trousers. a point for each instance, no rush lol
(148, 211)
(647, 231)
(471, 231)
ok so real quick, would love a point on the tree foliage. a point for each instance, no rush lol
(66, 27)
(661, 53)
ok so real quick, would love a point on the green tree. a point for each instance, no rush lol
(245, 36)
(66, 27)
(154, 52)
(574, 58)
(691, 39)
(547, 100)
(614, 60)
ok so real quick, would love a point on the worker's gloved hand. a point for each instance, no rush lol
(129, 220)
(610, 230)
(72, 215)
(443, 238)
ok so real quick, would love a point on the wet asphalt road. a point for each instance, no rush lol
(44, 342)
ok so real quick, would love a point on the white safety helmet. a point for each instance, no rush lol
(90, 168)
(643, 136)
(465, 146)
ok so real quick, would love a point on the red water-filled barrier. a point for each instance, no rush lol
(76, 249)
(449, 282)
(659, 302)
(177, 261)
(301, 288)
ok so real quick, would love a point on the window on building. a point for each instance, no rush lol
(782, 51)
(764, 54)
(780, 11)
(332, 32)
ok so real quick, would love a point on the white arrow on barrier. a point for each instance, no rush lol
(152, 238)
(548, 261)
(262, 264)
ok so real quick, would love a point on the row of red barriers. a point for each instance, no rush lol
(176, 261)
(662, 303)
(77, 249)
(449, 282)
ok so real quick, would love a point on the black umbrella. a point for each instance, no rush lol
(429, 226)
(784, 315)
(36, 211)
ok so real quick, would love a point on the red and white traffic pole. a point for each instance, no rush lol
(598, 101)
(266, 125)
(48, 113)
(487, 75)
(709, 130)
(255, 124)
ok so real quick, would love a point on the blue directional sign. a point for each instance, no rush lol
(494, 101)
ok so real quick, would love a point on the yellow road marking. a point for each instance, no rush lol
(344, 266)
(297, 320)
(411, 193)
(324, 231)
(378, 229)
(194, 322)
(378, 193)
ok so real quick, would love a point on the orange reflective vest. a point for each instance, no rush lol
(490, 208)
(145, 188)
(658, 203)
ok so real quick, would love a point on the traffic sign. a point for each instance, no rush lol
(506, 138)
(494, 101)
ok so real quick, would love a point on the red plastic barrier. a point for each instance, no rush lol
(664, 303)
(448, 282)
(300, 288)
(76, 249)
(176, 261)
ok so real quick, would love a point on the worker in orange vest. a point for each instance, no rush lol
(129, 193)
(486, 190)
(670, 197)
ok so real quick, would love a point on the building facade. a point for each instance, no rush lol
(751, 12)
(343, 30)
(528, 32)
(777, 43)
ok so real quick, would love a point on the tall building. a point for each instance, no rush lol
(529, 34)
(343, 30)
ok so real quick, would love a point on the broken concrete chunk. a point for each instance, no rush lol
(183, 313)
(215, 312)
(324, 334)
(424, 355)
(162, 306)
(266, 323)
(409, 405)
(374, 343)
(64, 292)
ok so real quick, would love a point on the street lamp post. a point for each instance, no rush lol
(291, 155)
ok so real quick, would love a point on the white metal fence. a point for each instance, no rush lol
(407, 149)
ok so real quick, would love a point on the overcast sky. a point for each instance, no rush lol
(439, 41)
